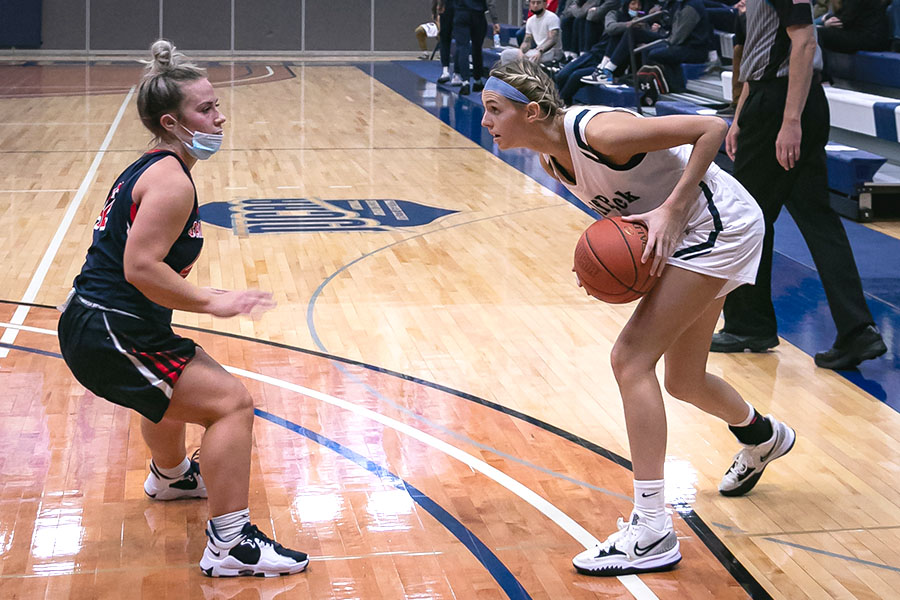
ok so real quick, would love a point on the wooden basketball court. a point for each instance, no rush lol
(436, 414)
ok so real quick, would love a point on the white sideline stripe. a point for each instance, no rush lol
(35, 191)
(28, 328)
(631, 582)
(37, 280)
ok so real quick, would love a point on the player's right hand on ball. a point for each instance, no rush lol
(244, 302)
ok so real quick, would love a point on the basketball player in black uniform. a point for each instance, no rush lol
(115, 332)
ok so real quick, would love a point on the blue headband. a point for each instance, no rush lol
(498, 86)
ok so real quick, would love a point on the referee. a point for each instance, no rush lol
(781, 161)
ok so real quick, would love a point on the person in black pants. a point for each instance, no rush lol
(446, 13)
(782, 163)
(469, 28)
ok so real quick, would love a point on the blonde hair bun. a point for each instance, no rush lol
(164, 58)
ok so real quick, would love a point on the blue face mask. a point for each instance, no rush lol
(203, 145)
(633, 13)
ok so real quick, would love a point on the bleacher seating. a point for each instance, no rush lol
(877, 116)
(607, 95)
(877, 68)
(507, 33)
(848, 168)
(693, 70)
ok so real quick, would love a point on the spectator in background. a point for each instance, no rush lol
(618, 48)
(541, 43)
(855, 25)
(570, 79)
(469, 28)
(721, 14)
(688, 41)
(598, 14)
(586, 32)
(552, 6)
(446, 11)
(428, 30)
(573, 10)
(740, 34)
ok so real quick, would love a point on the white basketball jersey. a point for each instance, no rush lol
(637, 187)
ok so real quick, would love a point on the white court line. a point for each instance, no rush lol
(631, 582)
(269, 73)
(28, 328)
(36, 191)
(37, 280)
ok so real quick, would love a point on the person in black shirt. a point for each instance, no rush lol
(115, 332)
(782, 162)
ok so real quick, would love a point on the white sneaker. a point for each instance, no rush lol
(250, 553)
(456, 79)
(634, 548)
(750, 462)
(189, 485)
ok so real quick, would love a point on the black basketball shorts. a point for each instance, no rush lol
(126, 360)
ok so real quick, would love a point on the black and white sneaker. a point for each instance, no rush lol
(635, 548)
(189, 485)
(251, 553)
(599, 77)
(750, 462)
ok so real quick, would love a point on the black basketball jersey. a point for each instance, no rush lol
(102, 279)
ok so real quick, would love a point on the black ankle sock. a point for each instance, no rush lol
(758, 431)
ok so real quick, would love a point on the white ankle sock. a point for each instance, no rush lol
(228, 526)
(604, 62)
(748, 418)
(650, 501)
(611, 66)
(445, 71)
(175, 472)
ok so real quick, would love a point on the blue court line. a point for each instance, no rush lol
(800, 304)
(501, 574)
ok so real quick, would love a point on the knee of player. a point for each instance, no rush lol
(678, 386)
(236, 401)
(627, 361)
(241, 400)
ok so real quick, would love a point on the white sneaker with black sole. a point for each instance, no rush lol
(750, 462)
(189, 485)
(251, 553)
(635, 548)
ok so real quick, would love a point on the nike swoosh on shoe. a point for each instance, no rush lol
(638, 551)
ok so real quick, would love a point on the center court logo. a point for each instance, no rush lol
(295, 215)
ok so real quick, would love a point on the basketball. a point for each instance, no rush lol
(608, 261)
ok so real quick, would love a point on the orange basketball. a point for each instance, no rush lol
(608, 261)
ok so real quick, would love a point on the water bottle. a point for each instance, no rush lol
(496, 40)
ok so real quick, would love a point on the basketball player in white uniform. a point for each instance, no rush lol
(705, 235)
